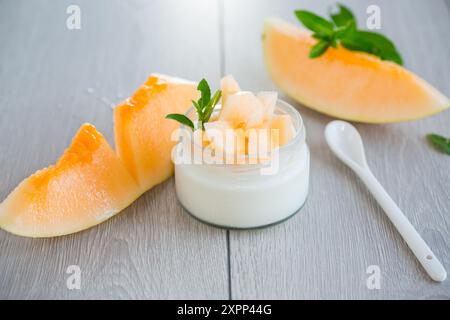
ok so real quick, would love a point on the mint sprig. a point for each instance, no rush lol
(342, 29)
(439, 142)
(203, 106)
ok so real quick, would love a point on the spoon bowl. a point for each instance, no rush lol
(346, 143)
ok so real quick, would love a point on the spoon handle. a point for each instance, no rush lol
(415, 242)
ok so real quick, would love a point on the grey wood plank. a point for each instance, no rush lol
(323, 251)
(54, 79)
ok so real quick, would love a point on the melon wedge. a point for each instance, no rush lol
(87, 185)
(143, 135)
(345, 84)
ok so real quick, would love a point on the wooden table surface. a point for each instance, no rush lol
(53, 79)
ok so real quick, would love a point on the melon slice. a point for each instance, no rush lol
(143, 135)
(87, 185)
(242, 109)
(345, 84)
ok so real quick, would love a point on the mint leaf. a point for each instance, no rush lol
(319, 37)
(343, 17)
(315, 23)
(319, 49)
(205, 91)
(198, 108)
(342, 32)
(334, 41)
(374, 43)
(181, 118)
(212, 103)
(439, 142)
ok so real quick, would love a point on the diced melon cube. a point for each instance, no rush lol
(282, 124)
(229, 86)
(259, 142)
(268, 100)
(224, 139)
(242, 109)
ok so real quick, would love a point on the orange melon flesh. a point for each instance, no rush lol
(229, 86)
(87, 185)
(143, 135)
(345, 84)
(283, 127)
(242, 109)
(224, 138)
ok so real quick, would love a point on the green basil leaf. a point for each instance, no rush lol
(319, 36)
(373, 43)
(333, 41)
(181, 118)
(392, 56)
(198, 108)
(345, 31)
(354, 44)
(439, 142)
(343, 17)
(319, 48)
(205, 91)
(315, 23)
(212, 103)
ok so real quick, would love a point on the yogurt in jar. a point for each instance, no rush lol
(246, 194)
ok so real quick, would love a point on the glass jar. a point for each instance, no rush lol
(243, 196)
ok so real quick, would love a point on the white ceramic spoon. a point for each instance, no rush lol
(346, 143)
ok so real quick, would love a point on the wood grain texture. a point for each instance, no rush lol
(54, 79)
(323, 251)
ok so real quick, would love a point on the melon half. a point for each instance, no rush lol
(345, 84)
(87, 185)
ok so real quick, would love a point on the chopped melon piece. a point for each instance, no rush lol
(260, 142)
(229, 86)
(268, 100)
(224, 139)
(283, 125)
(242, 109)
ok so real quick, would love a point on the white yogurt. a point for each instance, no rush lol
(240, 196)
